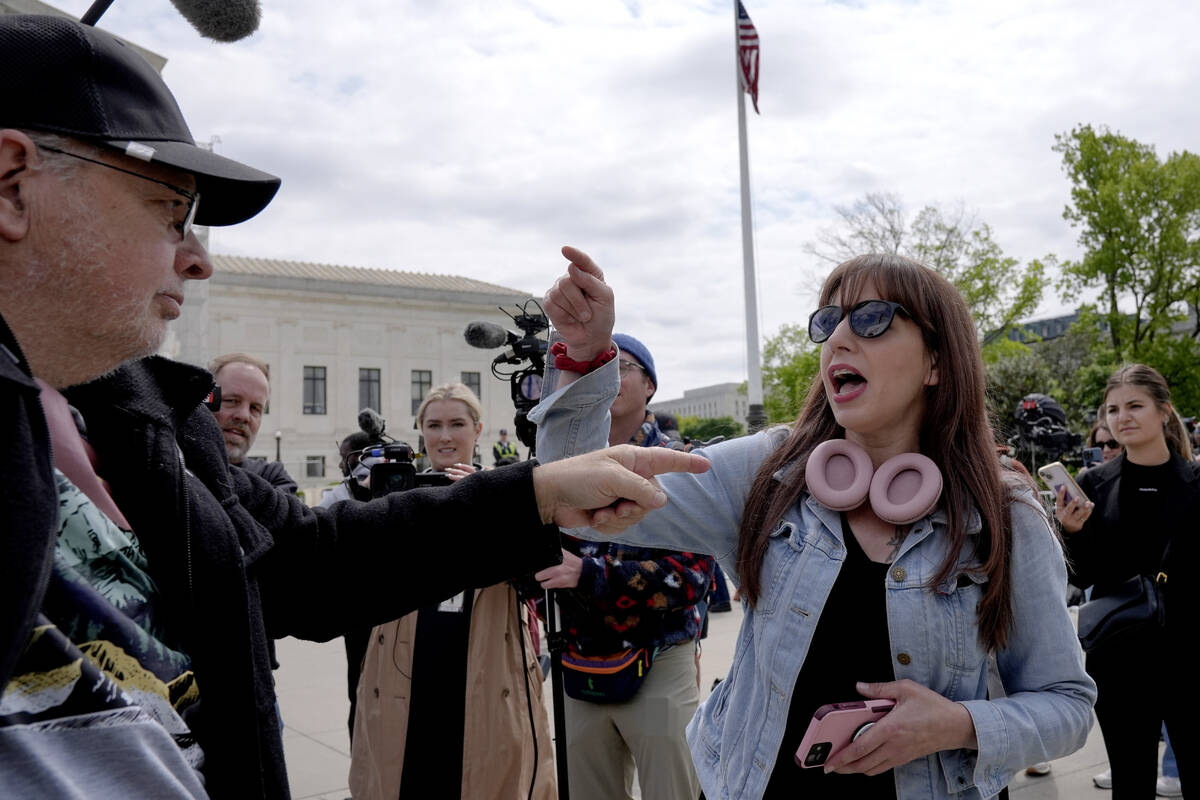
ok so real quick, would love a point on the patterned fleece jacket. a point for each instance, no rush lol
(634, 596)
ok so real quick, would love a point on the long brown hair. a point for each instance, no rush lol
(1154, 384)
(955, 433)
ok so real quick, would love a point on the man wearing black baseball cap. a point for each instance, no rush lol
(140, 574)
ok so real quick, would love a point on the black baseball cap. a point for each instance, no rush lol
(64, 77)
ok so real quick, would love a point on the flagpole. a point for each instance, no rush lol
(756, 418)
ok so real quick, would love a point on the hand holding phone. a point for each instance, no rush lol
(1055, 476)
(836, 725)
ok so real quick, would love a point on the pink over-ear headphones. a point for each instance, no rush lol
(904, 488)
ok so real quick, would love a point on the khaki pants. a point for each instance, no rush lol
(604, 741)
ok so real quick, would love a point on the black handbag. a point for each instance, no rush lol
(1135, 605)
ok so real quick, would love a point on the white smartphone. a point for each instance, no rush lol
(1055, 476)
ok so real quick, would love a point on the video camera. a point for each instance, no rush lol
(525, 383)
(1042, 431)
(391, 463)
(395, 472)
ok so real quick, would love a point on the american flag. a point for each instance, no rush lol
(748, 54)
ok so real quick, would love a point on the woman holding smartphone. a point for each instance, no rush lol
(842, 605)
(450, 697)
(1141, 503)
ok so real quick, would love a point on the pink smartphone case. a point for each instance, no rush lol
(833, 727)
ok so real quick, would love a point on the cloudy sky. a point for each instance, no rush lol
(476, 138)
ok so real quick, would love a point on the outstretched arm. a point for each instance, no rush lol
(352, 550)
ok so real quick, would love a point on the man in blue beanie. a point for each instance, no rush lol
(629, 598)
(631, 422)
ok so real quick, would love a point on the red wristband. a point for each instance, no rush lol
(567, 364)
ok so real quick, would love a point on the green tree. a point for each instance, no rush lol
(998, 290)
(1177, 358)
(705, 428)
(790, 363)
(1139, 220)
(1080, 363)
(1010, 377)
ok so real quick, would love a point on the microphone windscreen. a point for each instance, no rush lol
(370, 423)
(485, 335)
(221, 20)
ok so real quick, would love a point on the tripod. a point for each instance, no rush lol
(556, 642)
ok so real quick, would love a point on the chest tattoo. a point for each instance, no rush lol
(896, 542)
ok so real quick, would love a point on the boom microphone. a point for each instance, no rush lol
(371, 423)
(486, 335)
(220, 20)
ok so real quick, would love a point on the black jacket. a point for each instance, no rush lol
(236, 560)
(273, 473)
(1111, 548)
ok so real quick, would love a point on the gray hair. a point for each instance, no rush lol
(61, 165)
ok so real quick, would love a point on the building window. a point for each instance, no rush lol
(314, 390)
(368, 388)
(471, 381)
(422, 382)
(314, 466)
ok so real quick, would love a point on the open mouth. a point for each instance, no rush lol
(847, 381)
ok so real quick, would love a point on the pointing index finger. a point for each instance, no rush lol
(650, 461)
(582, 260)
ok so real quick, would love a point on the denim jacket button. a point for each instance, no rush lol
(898, 574)
(904, 658)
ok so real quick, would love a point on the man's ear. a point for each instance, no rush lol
(16, 149)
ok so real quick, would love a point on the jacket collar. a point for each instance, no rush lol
(833, 519)
(153, 387)
(13, 365)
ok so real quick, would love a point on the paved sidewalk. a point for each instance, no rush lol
(312, 697)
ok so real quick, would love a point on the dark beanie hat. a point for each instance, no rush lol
(631, 346)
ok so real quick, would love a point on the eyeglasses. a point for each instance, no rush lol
(184, 226)
(868, 319)
(1110, 444)
(625, 365)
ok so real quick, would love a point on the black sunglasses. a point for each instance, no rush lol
(868, 319)
(1110, 444)
(183, 225)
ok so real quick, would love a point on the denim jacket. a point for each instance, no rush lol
(934, 634)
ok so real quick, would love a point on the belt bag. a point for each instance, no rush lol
(1136, 605)
(605, 679)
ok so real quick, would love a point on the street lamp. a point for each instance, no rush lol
(278, 438)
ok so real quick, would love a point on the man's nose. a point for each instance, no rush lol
(191, 259)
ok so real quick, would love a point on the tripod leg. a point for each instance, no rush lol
(556, 643)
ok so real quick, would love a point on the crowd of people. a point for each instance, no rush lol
(141, 574)
(881, 550)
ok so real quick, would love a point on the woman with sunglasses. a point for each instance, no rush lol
(847, 599)
(1100, 436)
(1140, 519)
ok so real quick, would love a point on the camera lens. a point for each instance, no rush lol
(817, 754)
